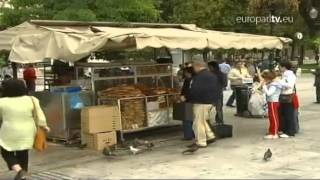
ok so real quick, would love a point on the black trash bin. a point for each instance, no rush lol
(242, 99)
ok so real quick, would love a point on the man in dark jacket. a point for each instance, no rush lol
(203, 94)
(187, 123)
(223, 82)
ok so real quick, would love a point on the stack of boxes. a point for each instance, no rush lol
(99, 125)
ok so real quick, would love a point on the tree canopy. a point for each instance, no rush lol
(82, 10)
(213, 14)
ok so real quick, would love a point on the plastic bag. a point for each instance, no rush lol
(257, 104)
(76, 101)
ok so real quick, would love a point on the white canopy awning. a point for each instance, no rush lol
(231, 40)
(29, 43)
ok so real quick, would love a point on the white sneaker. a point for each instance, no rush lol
(284, 136)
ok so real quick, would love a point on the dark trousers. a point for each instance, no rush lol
(288, 119)
(318, 93)
(31, 85)
(16, 157)
(232, 97)
(296, 115)
(187, 129)
(219, 111)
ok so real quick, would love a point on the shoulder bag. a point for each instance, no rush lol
(40, 140)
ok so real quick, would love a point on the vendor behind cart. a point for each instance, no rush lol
(236, 76)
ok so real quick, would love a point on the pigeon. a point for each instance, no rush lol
(134, 150)
(267, 155)
(108, 151)
(137, 142)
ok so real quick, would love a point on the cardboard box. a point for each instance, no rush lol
(100, 140)
(97, 119)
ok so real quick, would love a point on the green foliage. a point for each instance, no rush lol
(82, 10)
(127, 10)
(210, 13)
(316, 41)
(167, 9)
(75, 14)
(263, 7)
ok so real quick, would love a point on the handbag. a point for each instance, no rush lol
(222, 130)
(40, 140)
(183, 111)
(286, 98)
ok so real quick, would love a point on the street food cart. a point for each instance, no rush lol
(147, 109)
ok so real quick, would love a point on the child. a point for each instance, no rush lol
(272, 89)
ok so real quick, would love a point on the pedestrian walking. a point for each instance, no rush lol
(18, 129)
(203, 94)
(317, 84)
(272, 88)
(287, 109)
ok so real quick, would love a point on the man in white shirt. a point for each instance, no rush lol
(288, 81)
(288, 118)
(237, 73)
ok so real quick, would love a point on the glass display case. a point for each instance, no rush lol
(106, 75)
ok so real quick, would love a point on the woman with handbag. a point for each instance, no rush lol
(286, 99)
(21, 115)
